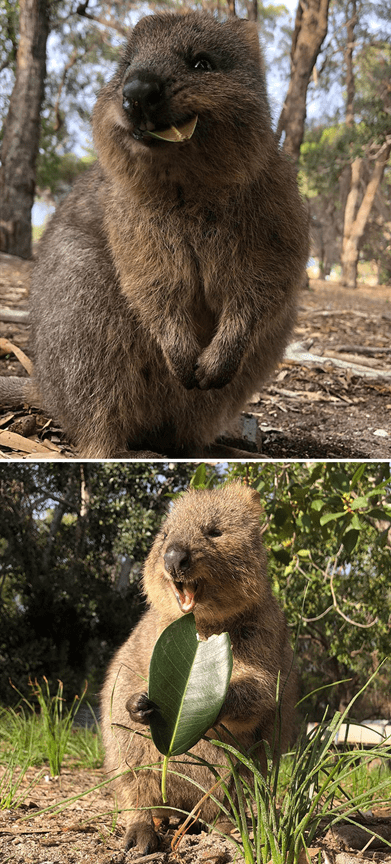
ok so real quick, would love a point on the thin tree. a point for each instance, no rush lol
(22, 130)
(310, 30)
(357, 212)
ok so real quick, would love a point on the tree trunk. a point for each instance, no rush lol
(348, 260)
(84, 512)
(355, 223)
(22, 130)
(350, 82)
(252, 10)
(310, 31)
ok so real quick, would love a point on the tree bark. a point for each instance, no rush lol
(22, 130)
(355, 222)
(350, 82)
(349, 263)
(356, 216)
(310, 30)
(252, 10)
(84, 511)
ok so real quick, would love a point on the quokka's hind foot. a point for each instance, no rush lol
(143, 835)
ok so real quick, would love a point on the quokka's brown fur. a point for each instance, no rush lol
(165, 288)
(207, 558)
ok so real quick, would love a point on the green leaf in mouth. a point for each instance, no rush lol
(188, 680)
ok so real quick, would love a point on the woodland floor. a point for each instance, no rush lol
(329, 398)
(85, 831)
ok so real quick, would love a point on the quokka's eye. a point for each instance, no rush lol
(214, 532)
(202, 63)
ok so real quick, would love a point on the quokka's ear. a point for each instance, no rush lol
(249, 30)
(251, 496)
(255, 501)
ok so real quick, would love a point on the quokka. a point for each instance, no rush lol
(207, 558)
(165, 288)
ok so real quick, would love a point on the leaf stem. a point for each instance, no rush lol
(164, 779)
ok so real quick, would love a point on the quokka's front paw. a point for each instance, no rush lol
(183, 371)
(181, 360)
(140, 708)
(215, 372)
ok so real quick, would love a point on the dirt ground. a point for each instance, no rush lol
(329, 398)
(86, 831)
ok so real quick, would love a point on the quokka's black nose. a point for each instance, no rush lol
(142, 94)
(176, 558)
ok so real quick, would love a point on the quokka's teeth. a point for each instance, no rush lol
(174, 133)
(185, 595)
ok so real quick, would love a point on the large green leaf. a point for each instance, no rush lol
(188, 681)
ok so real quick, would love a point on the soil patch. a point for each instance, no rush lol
(329, 398)
(87, 830)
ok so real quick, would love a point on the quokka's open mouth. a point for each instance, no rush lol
(185, 594)
(177, 133)
(173, 134)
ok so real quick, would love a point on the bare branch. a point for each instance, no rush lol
(318, 617)
(334, 604)
(346, 618)
(100, 19)
(71, 62)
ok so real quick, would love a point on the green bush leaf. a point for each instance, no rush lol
(349, 540)
(317, 504)
(281, 555)
(357, 475)
(377, 513)
(188, 681)
(362, 501)
(199, 478)
(280, 516)
(355, 522)
(329, 517)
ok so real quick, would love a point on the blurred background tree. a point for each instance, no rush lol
(345, 157)
(72, 542)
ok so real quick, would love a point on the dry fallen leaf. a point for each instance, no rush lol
(9, 347)
(17, 442)
(306, 854)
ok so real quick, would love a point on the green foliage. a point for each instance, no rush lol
(32, 737)
(13, 791)
(291, 801)
(326, 151)
(327, 532)
(57, 172)
(56, 724)
(73, 538)
(21, 736)
(331, 144)
(85, 746)
(9, 27)
(373, 100)
(317, 789)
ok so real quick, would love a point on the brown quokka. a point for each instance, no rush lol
(207, 558)
(165, 289)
